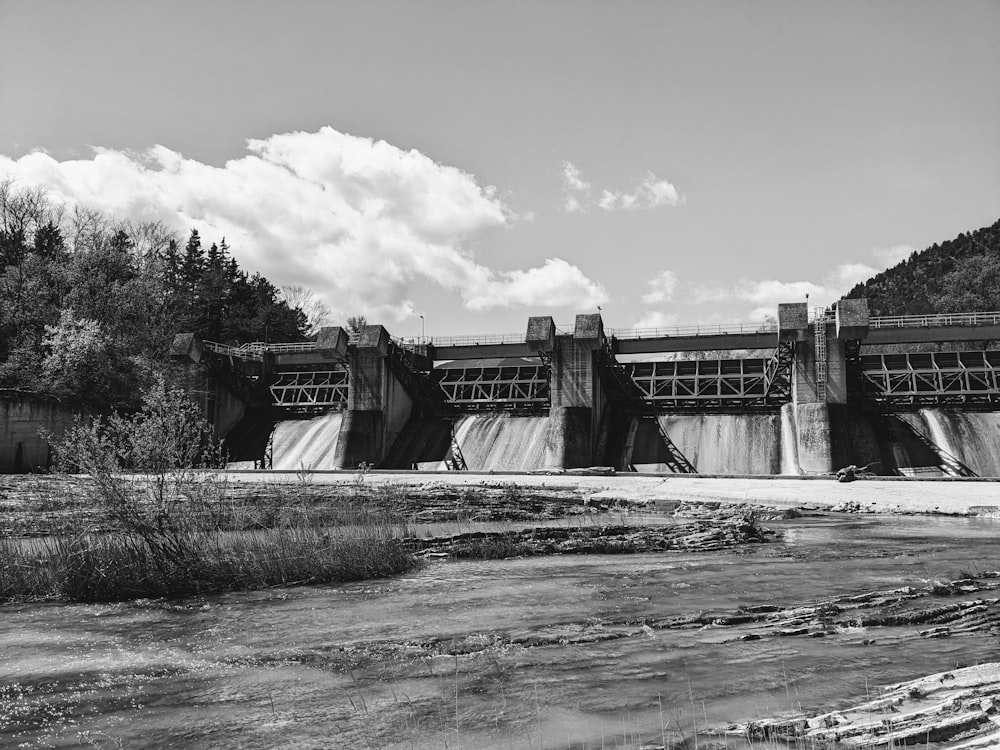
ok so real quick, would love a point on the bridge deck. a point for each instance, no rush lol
(717, 337)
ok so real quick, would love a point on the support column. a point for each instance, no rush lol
(577, 397)
(812, 417)
(377, 404)
(819, 382)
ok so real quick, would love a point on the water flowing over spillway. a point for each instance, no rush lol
(928, 442)
(306, 443)
(942, 442)
(714, 443)
(789, 441)
(492, 442)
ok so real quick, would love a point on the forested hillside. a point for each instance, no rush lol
(89, 304)
(959, 275)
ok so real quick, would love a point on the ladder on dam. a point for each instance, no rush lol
(819, 336)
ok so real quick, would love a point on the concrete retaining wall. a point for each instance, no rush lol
(22, 448)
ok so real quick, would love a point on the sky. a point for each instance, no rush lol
(476, 163)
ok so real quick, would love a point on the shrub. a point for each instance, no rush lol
(174, 529)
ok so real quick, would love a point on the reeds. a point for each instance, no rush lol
(162, 527)
(183, 559)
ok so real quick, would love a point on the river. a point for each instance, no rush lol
(551, 652)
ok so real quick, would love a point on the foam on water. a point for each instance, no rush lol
(306, 443)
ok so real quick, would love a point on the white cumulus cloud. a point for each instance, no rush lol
(655, 319)
(576, 190)
(651, 192)
(358, 221)
(764, 295)
(661, 288)
(559, 283)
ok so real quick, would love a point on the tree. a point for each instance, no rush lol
(355, 324)
(316, 311)
(972, 286)
(80, 363)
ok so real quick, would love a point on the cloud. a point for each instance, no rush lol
(891, 256)
(846, 275)
(357, 220)
(572, 180)
(556, 281)
(656, 319)
(651, 192)
(661, 288)
(575, 189)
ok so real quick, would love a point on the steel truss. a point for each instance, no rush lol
(778, 374)
(713, 383)
(932, 377)
(479, 387)
(310, 388)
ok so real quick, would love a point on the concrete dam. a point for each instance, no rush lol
(916, 395)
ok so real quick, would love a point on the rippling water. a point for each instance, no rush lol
(504, 654)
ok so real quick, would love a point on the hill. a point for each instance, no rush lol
(959, 275)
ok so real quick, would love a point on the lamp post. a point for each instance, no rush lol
(421, 329)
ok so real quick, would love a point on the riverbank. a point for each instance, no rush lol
(957, 709)
(882, 495)
(36, 505)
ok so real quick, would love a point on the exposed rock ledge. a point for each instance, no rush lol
(959, 709)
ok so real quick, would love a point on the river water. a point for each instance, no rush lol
(556, 652)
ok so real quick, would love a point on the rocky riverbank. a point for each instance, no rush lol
(725, 532)
(960, 709)
(41, 505)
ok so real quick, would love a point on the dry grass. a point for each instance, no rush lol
(207, 542)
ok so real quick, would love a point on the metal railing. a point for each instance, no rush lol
(928, 321)
(478, 339)
(243, 352)
(712, 329)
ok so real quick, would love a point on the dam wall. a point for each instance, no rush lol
(808, 395)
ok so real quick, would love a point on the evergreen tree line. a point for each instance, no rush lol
(959, 275)
(89, 304)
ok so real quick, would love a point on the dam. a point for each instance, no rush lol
(808, 393)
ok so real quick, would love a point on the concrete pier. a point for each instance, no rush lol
(378, 405)
(575, 416)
